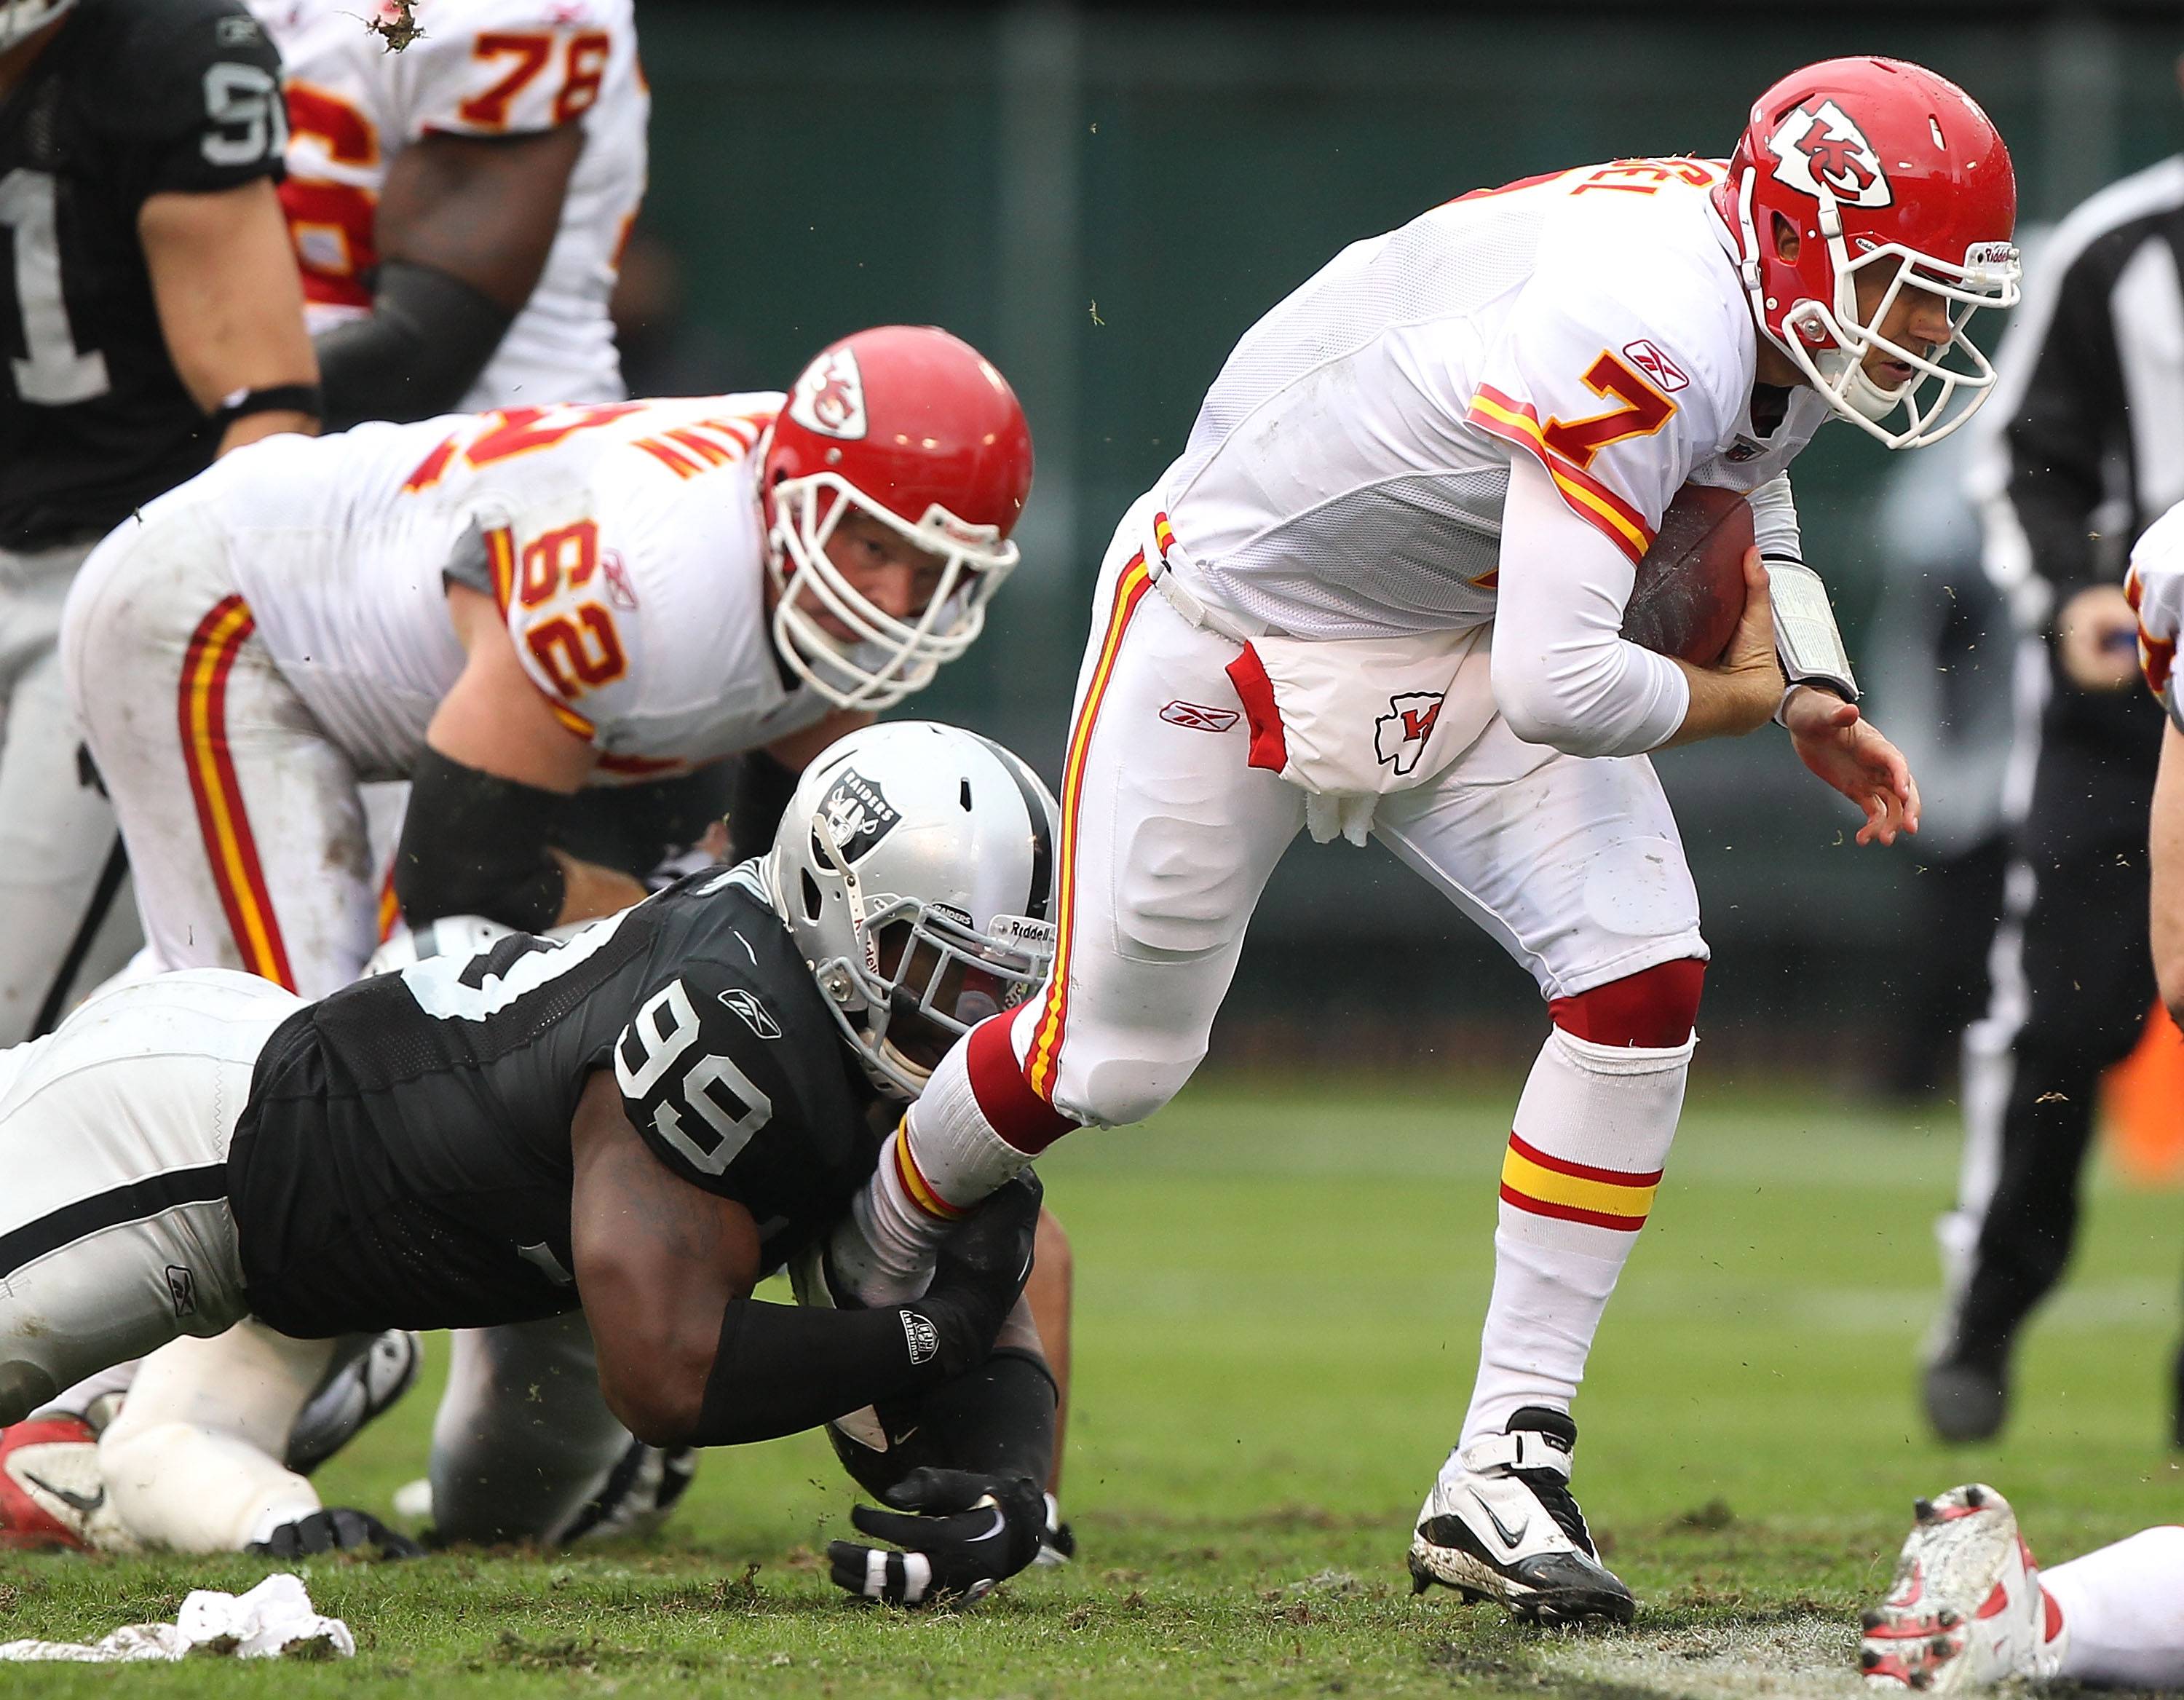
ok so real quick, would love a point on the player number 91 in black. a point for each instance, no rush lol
(248, 121)
(721, 1095)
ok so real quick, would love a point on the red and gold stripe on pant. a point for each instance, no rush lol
(914, 1182)
(229, 846)
(1041, 1062)
(1574, 1191)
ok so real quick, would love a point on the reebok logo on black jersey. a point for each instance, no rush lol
(859, 815)
(756, 1016)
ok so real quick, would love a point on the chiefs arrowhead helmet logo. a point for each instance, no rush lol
(830, 397)
(1820, 146)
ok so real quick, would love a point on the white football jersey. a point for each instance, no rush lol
(480, 68)
(624, 546)
(1346, 472)
(2155, 586)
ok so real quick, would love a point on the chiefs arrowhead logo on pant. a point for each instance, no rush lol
(1399, 736)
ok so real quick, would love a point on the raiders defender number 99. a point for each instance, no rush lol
(659, 1112)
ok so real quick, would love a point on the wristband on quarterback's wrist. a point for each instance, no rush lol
(1806, 641)
(241, 404)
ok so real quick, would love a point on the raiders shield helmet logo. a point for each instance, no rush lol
(830, 397)
(1823, 145)
(858, 814)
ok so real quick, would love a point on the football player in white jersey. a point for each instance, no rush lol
(1382, 591)
(2155, 587)
(461, 175)
(508, 608)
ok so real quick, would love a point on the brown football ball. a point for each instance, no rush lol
(1689, 590)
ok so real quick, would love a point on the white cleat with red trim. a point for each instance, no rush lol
(51, 1491)
(1965, 1610)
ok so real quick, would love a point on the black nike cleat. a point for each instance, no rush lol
(1966, 1402)
(1501, 1525)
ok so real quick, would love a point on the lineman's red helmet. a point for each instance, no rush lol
(916, 427)
(1875, 163)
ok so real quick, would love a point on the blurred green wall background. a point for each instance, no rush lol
(1104, 199)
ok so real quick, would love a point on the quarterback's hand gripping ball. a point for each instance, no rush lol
(1689, 593)
(962, 1532)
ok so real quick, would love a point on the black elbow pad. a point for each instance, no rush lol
(428, 336)
(474, 843)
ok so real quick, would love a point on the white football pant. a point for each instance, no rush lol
(116, 1232)
(1572, 864)
(246, 831)
(56, 830)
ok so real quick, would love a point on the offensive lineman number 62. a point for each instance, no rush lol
(721, 1095)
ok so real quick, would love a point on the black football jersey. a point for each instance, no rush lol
(132, 98)
(404, 1159)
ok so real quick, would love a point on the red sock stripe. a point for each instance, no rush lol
(914, 1181)
(1570, 1212)
(1577, 1171)
(1043, 1059)
(1011, 1109)
(231, 847)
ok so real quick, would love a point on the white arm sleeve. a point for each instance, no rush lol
(1562, 675)
(1774, 518)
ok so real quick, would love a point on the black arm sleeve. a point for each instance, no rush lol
(474, 843)
(783, 1368)
(429, 335)
(997, 1419)
(763, 788)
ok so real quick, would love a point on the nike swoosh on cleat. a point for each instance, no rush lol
(1508, 1538)
(87, 1505)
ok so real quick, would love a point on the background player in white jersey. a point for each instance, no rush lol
(1382, 591)
(458, 196)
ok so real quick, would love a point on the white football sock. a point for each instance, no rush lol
(2123, 1611)
(944, 1158)
(194, 1461)
(1592, 1131)
(83, 1399)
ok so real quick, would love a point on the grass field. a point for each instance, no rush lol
(1279, 1294)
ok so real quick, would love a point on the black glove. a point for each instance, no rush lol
(339, 1530)
(980, 1272)
(965, 1532)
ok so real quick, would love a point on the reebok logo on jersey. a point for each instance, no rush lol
(1399, 736)
(858, 814)
(1198, 717)
(1649, 360)
(756, 1015)
(1823, 145)
(182, 1289)
(921, 1337)
(830, 397)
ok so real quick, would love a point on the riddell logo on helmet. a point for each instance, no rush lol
(830, 397)
(1823, 145)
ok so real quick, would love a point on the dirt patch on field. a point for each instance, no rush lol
(1799, 1657)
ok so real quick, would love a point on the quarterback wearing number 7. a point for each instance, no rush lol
(1383, 591)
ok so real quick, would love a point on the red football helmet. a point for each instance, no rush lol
(1874, 163)
(914, 427)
